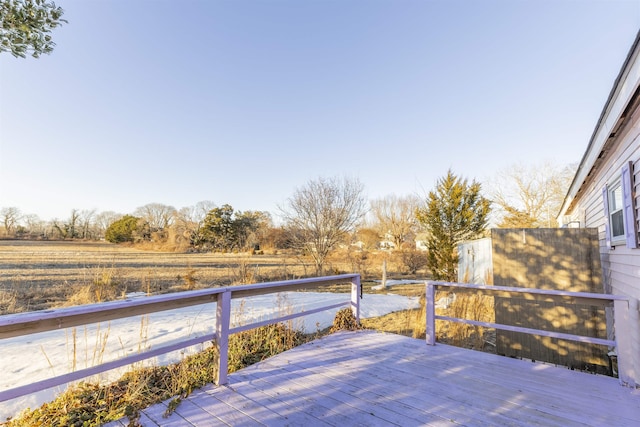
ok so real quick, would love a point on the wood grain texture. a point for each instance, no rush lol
(373, 379)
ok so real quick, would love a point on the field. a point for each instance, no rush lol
(38, 275)
(50, 274)
(42, 275)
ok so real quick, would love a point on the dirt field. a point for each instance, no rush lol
(40, 275)
(37, 275)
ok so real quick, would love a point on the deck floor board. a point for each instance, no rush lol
(374, 379)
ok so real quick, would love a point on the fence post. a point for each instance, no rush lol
(223, 315)
(431, 314)
(356, 291)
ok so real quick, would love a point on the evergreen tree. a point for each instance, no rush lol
(517, 218)
(219, 228)
(224, 229)
(123, 230)
(26, 25)
(454, 212)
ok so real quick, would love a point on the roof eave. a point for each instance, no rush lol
(608, 124)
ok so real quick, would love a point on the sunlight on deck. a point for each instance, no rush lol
(374, 379)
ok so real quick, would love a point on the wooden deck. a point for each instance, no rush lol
(373, 379)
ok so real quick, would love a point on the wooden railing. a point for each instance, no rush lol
(593, 299)
(34, 322)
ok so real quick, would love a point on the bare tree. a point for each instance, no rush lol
(189, 221)
(69, 229)
(321, 213)
(531, 196)
(157, 215)
(368, 237)
(252, 228)
(74, 224)
(103, 220)
(395, 217)
(86, 223)
(34, 224)
(10, 218)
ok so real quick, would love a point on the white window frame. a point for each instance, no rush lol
(626, 212)
(619, 239)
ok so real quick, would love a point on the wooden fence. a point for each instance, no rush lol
(564, 259)
(34, 322)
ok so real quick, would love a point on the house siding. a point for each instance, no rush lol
(620, 265)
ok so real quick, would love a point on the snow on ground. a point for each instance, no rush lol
(390, 283)
(31, 358)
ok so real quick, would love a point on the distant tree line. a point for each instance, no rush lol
(328, 213)
(219, 229)
(319, 217)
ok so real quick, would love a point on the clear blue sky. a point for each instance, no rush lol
(241, 102)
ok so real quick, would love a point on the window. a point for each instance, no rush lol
(616, 213)
(620, 211)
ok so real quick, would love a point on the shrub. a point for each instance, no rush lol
(344, 321)
(122, 230)
(413, 259)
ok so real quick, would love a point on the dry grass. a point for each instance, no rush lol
(42, 275)
(467, 305)
(92, 404)
(38, 275)
(345, 321)
(473, 306)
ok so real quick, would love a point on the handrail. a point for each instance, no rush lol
(21, 324)
(534, 294)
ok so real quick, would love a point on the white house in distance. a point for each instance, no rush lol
(603, 195)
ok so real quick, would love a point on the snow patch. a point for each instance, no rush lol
(35, 357)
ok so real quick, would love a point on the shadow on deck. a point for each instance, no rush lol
(375, 379)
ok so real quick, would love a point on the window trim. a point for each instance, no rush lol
(619, 239)
(624, 182)
(629, 206)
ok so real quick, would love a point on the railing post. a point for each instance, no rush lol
(356, 291)
(625, 313)
(431, 314)
(223, 315)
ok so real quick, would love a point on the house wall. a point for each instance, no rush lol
(620, 265)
